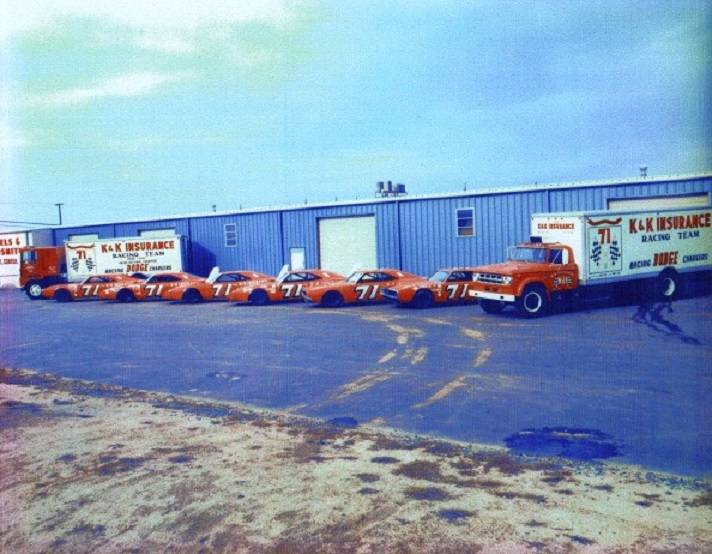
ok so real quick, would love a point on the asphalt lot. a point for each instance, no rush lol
(635, 380)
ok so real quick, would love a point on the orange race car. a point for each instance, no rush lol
(215, 287)
(150, 289)
(444, 286)
(290, 285)
(361, 286)
(90, 288)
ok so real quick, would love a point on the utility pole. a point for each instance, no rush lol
(59, 209)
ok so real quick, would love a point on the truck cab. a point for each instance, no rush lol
(534, 274)
(40, 267)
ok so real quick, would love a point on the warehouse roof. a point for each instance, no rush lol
(409, 198)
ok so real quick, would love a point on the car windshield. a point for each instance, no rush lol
(438, 276)
(527, 254)
(354, 277)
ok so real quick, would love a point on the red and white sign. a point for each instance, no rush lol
(10, 244)
(123, 256)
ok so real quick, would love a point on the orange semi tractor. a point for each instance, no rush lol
(597, 254)
(44, 266)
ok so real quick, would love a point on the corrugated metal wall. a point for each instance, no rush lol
(418, 235)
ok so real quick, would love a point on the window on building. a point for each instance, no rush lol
(88, 237)
(230, 232)
(157, 233)
(466, 222)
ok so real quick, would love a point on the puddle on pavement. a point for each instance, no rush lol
(347, 422)
(565, 442)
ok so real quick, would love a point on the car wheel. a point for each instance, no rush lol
(667, 285)
(423, 299)
(33, 290)
(125, 295)
(332, 299)
(258, 297)
(191, 296)
(533, 302)
(62, 295)
(492, 306)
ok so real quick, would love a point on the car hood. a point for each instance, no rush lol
(408, 282)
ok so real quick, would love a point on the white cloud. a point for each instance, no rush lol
(18, 16)
(130, 84)
(10, 139)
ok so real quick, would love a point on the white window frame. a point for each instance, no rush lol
(457, 222)
(227, 231)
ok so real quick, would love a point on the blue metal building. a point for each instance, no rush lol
(414, 233)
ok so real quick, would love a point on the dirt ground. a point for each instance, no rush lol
(95, 468)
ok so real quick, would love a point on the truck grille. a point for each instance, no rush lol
(491, 278)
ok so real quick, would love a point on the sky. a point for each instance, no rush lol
(126, 110)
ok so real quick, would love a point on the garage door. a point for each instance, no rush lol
(346, 243)
(659, 202)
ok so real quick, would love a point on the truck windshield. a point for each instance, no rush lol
(526, 254)
(28, 257)
(438, 276)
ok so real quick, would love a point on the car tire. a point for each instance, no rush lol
(423, 299)
(667, 285)
(125, 295)
(491, 306)
(258, 297)
(332, 299)
(33, 290)
(533, 302)
(191, 296)
(62, 295)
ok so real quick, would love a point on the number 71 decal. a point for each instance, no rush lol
(363, 292)
(452, 292)
(88, 290)
(290, 291)
(218, 289)
(154, 290)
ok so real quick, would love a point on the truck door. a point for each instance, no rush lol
(565, 272)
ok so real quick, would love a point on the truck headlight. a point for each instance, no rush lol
(475, 276)
(507, 280)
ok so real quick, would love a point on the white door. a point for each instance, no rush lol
(346, 243)
(296, 258)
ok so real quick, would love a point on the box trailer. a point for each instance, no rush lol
(578, 254)
(44, 266)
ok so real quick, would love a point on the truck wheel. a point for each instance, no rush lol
(533, 303)
(423, 299)
(332, 299)
(492, 306)
(62, 295)
(258, 297)
(191, 296)
(667, 285)
(125, 295)
(33, 289)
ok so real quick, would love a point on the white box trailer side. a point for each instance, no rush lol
(619, 246)
(124, 255)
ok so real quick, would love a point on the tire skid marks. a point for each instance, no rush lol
(445, 391)
(483, 356)
(363, 384)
